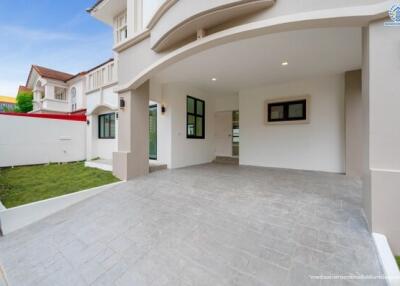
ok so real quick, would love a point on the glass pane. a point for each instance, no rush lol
(199, 107)
(101, 123)
(277, 112)
(235, 116)
(190, 125)
(236, 132)
(112, 126)
(296, 110)
(106, 126)
(235, 139)
(153, 133)
(199, 127)
(190, 105)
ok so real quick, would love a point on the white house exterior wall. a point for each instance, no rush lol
(80, 93)
(295, 146)
(187, 152)
(140, 57)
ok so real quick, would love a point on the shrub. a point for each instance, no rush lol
(24, 102)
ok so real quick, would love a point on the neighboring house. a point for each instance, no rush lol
(310, 84)
(89, 92)
(7, 103)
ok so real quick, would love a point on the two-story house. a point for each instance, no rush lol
(89, 92)
(310, 84)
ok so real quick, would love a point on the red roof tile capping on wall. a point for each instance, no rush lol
(72, 117)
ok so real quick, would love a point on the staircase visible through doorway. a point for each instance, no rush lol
(226, 160)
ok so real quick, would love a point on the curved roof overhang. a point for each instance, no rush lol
(344, 17)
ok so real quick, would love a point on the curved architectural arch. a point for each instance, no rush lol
(101, 107)
(355, 16)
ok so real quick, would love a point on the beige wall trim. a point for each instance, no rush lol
(350, 16)
(132, 41)
(207, 19)
(385, 170)
(160, 12)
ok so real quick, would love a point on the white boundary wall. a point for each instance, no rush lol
(31, 140)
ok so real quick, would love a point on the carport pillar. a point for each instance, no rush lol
(132, 158)
(381, 117)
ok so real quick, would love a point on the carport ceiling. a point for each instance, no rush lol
(258, 61)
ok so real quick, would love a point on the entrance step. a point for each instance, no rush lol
(226, 160)
(154, 167)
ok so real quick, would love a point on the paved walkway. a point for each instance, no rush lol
(209, 225)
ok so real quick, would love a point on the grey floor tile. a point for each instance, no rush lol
(204, 225)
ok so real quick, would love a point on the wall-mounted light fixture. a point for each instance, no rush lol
(163, 109)
(88, 122)
(122, 103)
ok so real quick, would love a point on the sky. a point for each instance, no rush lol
(57, 34)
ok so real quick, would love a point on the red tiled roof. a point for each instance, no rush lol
(57, 75)
(22, 88)
(52, 74)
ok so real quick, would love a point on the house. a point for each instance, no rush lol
(89, 92)
(302, 81)
(7, 103)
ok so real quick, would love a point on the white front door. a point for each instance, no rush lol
(223, 133)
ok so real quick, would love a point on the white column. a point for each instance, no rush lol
(134, 16)
(381, 97)
(90, 133)
(132, 158)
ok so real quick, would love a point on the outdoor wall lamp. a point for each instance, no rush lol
(163, 109)
(88, 122)
(122, 103)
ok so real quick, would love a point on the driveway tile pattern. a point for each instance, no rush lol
(205, 225)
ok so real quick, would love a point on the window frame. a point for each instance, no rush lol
(286, 103)
(109, 127)
(121, 27)
(203, 118)
(73, 98)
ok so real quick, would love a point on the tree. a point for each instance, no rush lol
(24, 102)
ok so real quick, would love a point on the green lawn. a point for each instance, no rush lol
(22, 185)
(398, 260)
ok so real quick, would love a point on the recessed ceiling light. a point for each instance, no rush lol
(214, 79)
(285, 63)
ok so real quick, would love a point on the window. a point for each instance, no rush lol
(287, 111)
(73, 99)
(120, 27)
(107, 126)
(195, 118)
(60, 93)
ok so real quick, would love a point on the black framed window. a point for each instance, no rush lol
(195, 118)
(107, 126)
(287, 111)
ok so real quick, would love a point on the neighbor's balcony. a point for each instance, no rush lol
(56, 105)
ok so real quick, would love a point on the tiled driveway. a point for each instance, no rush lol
(207, 225)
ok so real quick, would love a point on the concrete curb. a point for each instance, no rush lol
(16, 218)
(387, 260)
(3, 280)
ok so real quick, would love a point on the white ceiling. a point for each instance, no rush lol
(257, 61)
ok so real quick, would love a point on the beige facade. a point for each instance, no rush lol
(190, 42)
